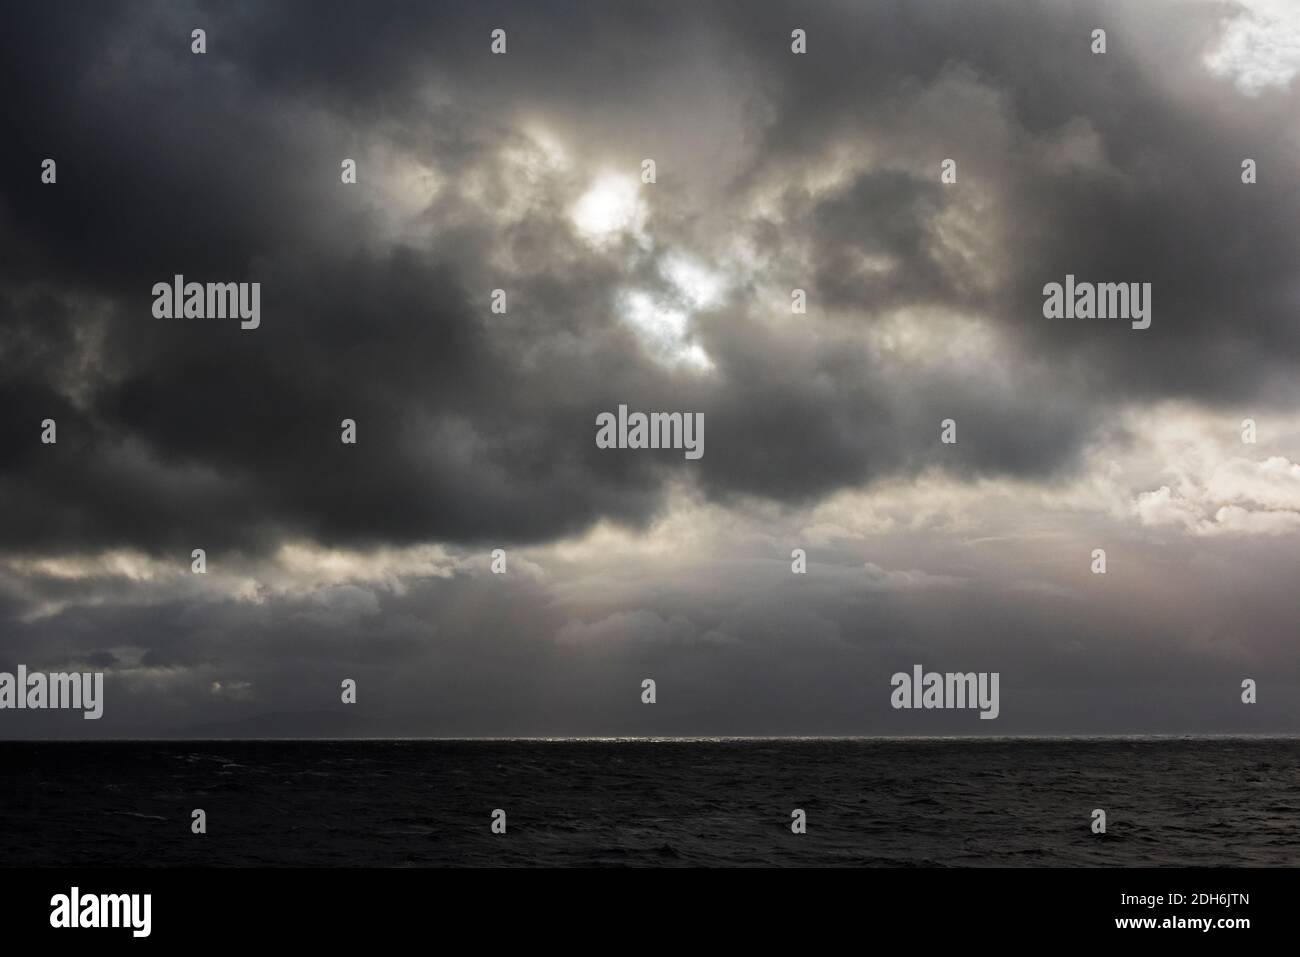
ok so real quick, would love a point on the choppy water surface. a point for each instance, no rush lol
(946, 802)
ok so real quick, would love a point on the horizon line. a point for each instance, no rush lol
(689, 738)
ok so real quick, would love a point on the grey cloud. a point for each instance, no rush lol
(477, 429)
(227, 168)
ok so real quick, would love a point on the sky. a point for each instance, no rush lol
(774, 171)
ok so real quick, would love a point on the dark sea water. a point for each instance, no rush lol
(880, 803)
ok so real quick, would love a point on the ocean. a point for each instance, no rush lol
(940, 802)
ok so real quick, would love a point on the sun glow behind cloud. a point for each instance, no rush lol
(610, 209)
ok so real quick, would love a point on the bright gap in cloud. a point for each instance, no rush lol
(662, 328)
(1260, 46)
(662, 319)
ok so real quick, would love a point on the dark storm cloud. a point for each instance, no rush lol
(479, 428)
(1220, 256)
